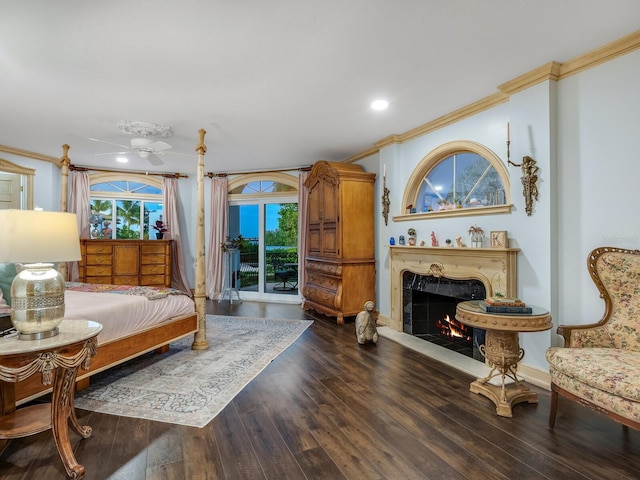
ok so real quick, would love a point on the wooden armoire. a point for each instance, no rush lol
(340, 257)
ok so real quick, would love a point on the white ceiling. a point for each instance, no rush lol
(276, 83)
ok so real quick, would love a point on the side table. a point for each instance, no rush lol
(502, 351)
(65, 353)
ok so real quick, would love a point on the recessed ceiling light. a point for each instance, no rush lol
(122, 160)
(379, 104)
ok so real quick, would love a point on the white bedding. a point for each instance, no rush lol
(121, 315)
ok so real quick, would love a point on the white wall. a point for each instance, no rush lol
(599, 175)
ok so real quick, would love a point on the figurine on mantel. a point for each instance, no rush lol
(434, 240)
(459, 242)
(366, 325)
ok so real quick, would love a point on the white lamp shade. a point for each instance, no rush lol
(30, 236)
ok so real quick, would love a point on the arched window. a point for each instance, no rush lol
(124, 206)
(458, 178)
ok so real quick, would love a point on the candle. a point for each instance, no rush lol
(508, 132)
(384, 171)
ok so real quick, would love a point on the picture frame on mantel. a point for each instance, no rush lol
(499, 239)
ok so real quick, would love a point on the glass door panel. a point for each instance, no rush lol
(281, 248)
(243, 220)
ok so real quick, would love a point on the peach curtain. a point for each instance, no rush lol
(172, 219)
(217, 234)
(79, 198)
(303, 196)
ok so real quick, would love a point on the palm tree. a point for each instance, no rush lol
(128, 213)
(104, 208)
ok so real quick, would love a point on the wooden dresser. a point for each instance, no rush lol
(340, 259)
(126, 262)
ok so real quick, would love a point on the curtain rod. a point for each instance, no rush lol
(225, 174)
(79, 168)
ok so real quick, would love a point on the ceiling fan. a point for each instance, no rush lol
(144, 142)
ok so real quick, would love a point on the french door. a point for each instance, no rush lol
(268, 268)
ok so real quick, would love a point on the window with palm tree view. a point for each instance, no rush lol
(125, 209)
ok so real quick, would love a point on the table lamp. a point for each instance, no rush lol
(35, 238)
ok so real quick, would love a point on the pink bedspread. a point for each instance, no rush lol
(124, 314)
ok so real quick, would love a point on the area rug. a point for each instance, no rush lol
(190, 387)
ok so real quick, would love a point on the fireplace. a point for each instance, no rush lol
(425, 280)
(429, 307)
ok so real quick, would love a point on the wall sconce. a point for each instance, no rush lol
(37, 291)
(529, 176)
(385, 197)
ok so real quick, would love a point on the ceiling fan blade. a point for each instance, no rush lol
(190, 155)
(111, 153)
(158, 146)
(109, 143)
(155, 160)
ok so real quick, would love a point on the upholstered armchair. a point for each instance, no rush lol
(601, 366)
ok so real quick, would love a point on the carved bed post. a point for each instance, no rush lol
(200, 339)
(65, 161)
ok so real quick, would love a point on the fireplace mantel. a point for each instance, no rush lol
(494, 267)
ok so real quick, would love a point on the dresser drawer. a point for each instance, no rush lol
(99, 260)
(153, 249)
(153, 259)
(99, 280)
(96, 271)
(153, 280)
(97, 248)
(125, 280)
(153, 269)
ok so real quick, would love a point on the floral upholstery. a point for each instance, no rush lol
(602, 366)
(619, 274)
(606, 377)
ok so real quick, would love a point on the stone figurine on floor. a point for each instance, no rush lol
(366, 325)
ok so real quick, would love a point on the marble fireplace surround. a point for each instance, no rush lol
(496, 268)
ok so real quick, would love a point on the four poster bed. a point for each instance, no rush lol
(136, 320)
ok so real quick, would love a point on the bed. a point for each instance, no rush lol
(135, 320)
(115, 347)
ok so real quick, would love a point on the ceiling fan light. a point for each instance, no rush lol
(122, 160)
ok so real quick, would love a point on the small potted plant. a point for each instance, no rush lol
(232, 243)
(160, 229)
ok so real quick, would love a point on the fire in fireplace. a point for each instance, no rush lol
(454, 329)
(430, 307)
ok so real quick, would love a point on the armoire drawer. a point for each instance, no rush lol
(321, 296)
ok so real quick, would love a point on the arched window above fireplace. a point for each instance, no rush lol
(459, 178)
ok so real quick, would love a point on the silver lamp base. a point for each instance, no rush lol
(37, 301)
(38, 335)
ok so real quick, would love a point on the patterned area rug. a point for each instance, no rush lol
(191, 387)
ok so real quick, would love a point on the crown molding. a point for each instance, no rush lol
(550, 71)
(455, 116)
(28, 154)
(608, 52)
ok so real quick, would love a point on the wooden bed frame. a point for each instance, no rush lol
(158, 337)
(116, 352)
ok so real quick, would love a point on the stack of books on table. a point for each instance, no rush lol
(504, 305)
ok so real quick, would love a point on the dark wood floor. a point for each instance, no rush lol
(329, 409)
